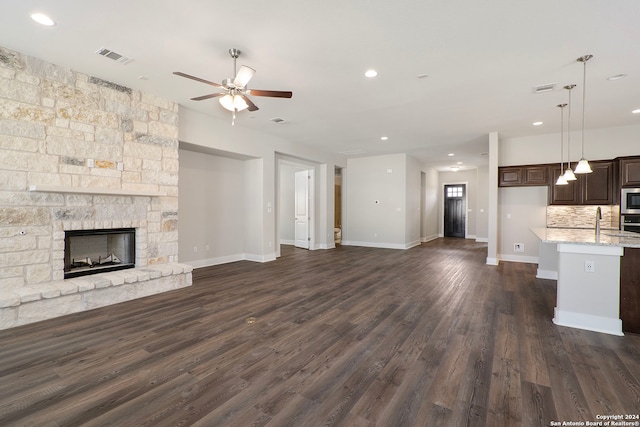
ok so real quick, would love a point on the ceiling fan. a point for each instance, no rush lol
(234, 92)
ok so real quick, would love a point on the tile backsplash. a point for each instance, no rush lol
(582, 216)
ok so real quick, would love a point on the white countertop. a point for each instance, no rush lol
(581, 236)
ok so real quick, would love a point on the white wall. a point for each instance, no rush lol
(413, 198)
(519, 209)
(430, 219)
(600, 144)
(482, 204)
(212, 201)
(380, 179)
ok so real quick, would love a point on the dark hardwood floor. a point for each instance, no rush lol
(429, 336)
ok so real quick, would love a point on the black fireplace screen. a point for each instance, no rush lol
(97, 251)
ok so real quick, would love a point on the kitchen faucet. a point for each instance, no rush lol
(598, 218)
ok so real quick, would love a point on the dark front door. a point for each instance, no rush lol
(454, 209)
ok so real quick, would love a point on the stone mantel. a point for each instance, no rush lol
(43, 188)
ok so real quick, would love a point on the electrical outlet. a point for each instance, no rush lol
(195, 249)
(518, 247)
(589, 266)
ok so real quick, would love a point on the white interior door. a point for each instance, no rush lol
(302, 209)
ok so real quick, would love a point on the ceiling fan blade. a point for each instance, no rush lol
(252, 106)
(273, 93)
(203, 97)
(244, 75)
(198, 79)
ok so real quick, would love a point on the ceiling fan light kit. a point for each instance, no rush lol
(234, 92)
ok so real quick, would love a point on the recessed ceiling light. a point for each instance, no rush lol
(451, 154)
(636, 111)
(371, 73)
(455, 168)
(43, 19)
(384, 138)
(459, 163)
(617, 77)
(143, 77)
(537, 123)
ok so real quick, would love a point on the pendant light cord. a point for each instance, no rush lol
(584, 93)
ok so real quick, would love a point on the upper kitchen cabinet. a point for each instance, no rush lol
(563, 194)
(596, 188)
(630, 172)
(599, 187)
(519, 176)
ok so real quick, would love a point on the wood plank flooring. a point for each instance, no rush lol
(429, 336)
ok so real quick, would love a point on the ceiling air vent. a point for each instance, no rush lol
(277, 120)
(544, 88)
(113, 55)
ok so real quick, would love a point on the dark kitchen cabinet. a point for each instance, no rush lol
(630, 290)
(510, 177)
(563, 194)
(599, 187)
(596, 188)
(630, 172)
(520, 176)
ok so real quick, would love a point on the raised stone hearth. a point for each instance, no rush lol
(80, 153)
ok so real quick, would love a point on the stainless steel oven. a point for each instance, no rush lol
(630, 223)
(630, 201)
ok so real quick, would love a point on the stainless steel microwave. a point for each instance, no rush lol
(630, 201)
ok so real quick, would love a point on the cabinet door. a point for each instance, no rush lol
(630, 290)
(536, 175)
(598, 186)
(563, 194)
(630, 172)
(509, 176)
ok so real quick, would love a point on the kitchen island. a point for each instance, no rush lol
(588, 289)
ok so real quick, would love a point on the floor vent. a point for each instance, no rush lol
(113, 55)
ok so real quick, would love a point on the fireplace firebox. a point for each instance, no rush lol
(98, 251)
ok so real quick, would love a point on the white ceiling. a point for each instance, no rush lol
(482, 58)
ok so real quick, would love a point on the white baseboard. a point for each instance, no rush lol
(482, 239)
(429, 238)
(588, 322)
(287, 242)
(492, 261)
(380, 245)
(518, 258)
(209, 262)
(470, 236)
(547, 274)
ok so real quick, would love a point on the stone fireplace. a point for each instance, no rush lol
(80, 153)
(89, 252)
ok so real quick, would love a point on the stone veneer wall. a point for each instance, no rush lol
(582, 216)
(53, 123)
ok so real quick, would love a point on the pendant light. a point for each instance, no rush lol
(568, 173)
(561, 179)
(583, 164)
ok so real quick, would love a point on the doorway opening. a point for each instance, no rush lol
(337, 209)
(455, 210)
(295, 207)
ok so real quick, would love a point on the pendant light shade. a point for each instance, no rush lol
(583, 165)
(568, 173)
(561, 179)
